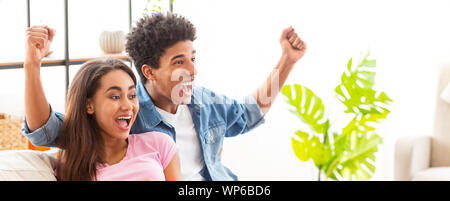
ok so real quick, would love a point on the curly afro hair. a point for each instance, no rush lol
(147, 42)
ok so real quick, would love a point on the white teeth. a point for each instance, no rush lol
(124, 118)
(186, 83)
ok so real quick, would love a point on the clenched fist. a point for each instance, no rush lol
(38, 41)
(292, 45)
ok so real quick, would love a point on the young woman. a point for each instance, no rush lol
(101, 108)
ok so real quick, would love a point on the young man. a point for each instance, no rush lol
(161, 47)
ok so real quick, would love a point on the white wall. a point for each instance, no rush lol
(237, 46)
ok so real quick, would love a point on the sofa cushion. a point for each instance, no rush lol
(433, 174)
(440, 144)
(26, 165)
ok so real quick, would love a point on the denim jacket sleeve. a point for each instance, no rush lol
(47, 134)
(243, 117)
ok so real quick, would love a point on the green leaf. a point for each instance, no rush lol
(356, 160)
(362, 100)
(307, 106)
(363, 74)
(310, 147)
(354, 146)
(301, 147)
(354, 157)
(355, 90)
(364, 123)
(366, 62)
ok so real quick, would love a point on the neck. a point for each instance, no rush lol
(159, 100)
(115, 150)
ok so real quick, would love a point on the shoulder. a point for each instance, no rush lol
(153, 136)
(203, 95)
(151, 140)
(154, 142)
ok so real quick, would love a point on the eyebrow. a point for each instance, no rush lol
(181, 55)
(120, 89)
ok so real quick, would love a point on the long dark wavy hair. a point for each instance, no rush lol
(82, 147)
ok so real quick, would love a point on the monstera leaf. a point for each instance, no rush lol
(355, 90)
(310, 147)
(350, 152)
(353, 157)
(307, 106)
(355, 148)
(364, 123)
(356, 162)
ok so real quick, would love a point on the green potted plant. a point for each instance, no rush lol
(343, 153)
(153, 6)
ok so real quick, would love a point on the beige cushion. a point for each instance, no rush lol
(445, 94)
(440, 145)
(26, 165)
(433, 174)
(412, 155)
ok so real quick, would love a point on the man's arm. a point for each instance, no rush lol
(293, 49)
(37, 110)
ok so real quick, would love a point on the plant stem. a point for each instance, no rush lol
(324, 142)
(320, 169)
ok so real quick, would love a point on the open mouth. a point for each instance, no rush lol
(186, 88)
(124, 122)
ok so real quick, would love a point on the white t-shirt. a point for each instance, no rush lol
(190, 152)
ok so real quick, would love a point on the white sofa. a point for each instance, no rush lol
(427, 158)
(27, 165)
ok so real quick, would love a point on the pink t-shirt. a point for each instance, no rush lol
(147, 156)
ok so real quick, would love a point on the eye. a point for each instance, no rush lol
(193, 60)
(179, 62)
(132, 96)
(115, 97)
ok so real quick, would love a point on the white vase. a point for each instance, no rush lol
(112, 42)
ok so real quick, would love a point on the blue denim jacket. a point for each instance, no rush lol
(215, 117)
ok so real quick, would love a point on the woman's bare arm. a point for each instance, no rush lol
(173, 170)
(38, 41)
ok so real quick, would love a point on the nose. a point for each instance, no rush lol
(195, 72)
(192, 69)
(186, 73)
(126, 104)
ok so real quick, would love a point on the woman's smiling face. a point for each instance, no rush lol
(115, 105)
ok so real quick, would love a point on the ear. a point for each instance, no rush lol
(90, 107)
(148, 72)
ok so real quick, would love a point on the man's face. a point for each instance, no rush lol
(174, 78)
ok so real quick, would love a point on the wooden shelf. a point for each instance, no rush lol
(55, 61)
